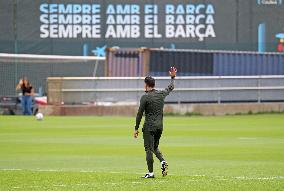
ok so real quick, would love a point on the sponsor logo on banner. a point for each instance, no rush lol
(269, 2)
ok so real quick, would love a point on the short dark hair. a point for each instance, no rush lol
(150, 81)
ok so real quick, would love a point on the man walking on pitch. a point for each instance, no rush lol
(153, 103)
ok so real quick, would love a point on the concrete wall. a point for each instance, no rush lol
(220, 89)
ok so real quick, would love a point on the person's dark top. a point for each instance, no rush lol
(153, 104)
(27, 89)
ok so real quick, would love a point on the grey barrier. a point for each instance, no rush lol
(96, 90)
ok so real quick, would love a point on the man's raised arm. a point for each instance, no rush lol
(173, 73)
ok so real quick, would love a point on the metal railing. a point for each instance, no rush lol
(220, 89)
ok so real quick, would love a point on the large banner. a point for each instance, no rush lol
(127, 21)
(87, 27)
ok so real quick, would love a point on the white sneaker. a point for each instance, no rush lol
(148, 175)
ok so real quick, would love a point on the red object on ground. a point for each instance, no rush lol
(280, 47)
(41, 100)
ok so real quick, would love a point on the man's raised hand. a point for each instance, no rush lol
(173, 72)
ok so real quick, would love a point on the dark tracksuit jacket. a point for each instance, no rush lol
(153, 104)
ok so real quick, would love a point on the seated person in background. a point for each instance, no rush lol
(27, 95)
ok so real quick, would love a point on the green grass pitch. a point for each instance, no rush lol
(99, 153)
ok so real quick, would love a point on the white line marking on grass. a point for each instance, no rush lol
(58, 170)
(47, 170)
(82, 184)
(59, 185)
(223, 179)
(87, 171)
(259, 178)
(247, 138)
(114, 172)
(112, 183)
(10, 169)
(117, 172)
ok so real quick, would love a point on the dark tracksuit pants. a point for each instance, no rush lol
(151, 144)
